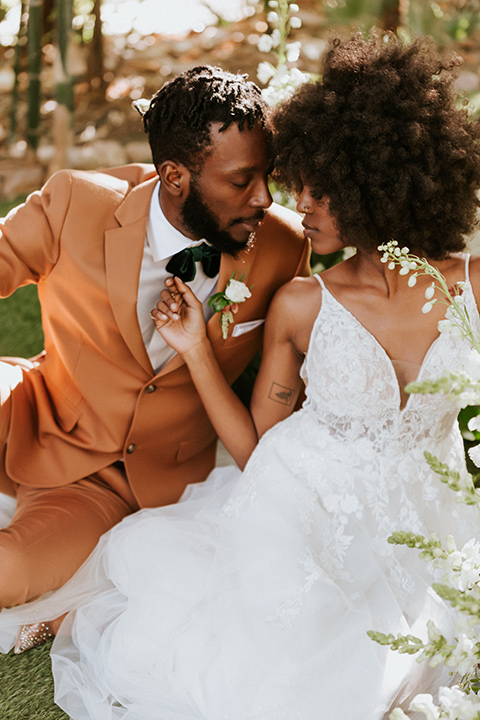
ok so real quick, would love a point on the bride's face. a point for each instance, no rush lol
(318, 224)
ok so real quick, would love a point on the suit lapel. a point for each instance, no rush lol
(123, 258)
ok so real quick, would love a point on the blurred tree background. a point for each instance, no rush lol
(70, 69)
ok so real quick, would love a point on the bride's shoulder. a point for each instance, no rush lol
(300, 291)
(295, 303)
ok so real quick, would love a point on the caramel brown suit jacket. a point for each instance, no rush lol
(93, 396)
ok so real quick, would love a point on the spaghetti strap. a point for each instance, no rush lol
(467, 267)
(317, 277)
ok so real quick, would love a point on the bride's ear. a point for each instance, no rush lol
(175, 179)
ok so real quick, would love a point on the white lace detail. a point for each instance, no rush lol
(372, 472)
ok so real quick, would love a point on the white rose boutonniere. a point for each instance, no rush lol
(226, 302)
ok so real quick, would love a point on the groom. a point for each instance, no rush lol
(106, 420)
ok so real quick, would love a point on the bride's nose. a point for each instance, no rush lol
(305, 202)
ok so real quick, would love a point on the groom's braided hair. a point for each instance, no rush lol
(181, 112)
(384, 138)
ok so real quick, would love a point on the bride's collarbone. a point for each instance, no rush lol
(397, 322)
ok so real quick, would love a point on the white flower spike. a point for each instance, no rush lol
(428, 306)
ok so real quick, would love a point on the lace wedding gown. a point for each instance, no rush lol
(252, 597)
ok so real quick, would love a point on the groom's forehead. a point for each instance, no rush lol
(236, 150)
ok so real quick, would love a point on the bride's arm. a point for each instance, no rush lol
(276, 389)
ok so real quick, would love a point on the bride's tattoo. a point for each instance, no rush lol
(281, 394)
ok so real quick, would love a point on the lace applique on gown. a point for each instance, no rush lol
(252, 597)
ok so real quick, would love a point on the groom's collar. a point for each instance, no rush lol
(164, 239)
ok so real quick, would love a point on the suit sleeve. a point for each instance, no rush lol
(30, 234)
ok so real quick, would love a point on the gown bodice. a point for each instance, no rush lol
(352, 387)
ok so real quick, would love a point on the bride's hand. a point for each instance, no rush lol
(178, 317)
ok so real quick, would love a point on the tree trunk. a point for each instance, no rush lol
(62, 116)
(95, 60)
(34, 34)
(17, 67)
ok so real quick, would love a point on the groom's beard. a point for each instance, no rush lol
(203, 223)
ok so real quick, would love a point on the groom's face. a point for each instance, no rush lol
(228, 194)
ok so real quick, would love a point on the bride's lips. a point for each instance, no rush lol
(307, 230)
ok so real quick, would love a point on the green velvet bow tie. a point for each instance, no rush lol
(183, 263)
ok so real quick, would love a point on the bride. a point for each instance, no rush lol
(252, 597)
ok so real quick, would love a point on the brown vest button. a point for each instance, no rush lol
(150, 388)
(131, 448)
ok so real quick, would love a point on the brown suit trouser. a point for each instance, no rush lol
(54, 529)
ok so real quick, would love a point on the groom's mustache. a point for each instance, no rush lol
(257, 217)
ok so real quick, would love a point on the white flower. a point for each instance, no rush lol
(265, 72)
(424, 703)
(295, 22)
(293, 51)
(276, 37)
(430, 291)
(398, 714)
(474, 423)
(412, 280)
(391, 265)
(461, 568)
(428, 306)
(471, 365)
(272, 17)
(450, 328)
(457, 704)
(464, 657)
(404, 270)
(474, 453)
(237, 291)
(273, 3)
(294, 7)
(297, 77)
(265, 43)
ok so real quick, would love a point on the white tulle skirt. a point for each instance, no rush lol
(217, 608)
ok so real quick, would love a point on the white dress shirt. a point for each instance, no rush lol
(162, 241)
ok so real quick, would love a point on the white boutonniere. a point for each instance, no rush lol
(226, 302)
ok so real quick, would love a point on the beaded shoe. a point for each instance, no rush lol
(32, 635)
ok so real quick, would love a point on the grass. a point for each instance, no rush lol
(26, 686)
(20, 326)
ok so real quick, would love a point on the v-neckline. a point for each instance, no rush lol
(378, 344)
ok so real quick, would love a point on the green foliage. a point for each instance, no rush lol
(358, 12)
(408, 644)
(454, 20)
